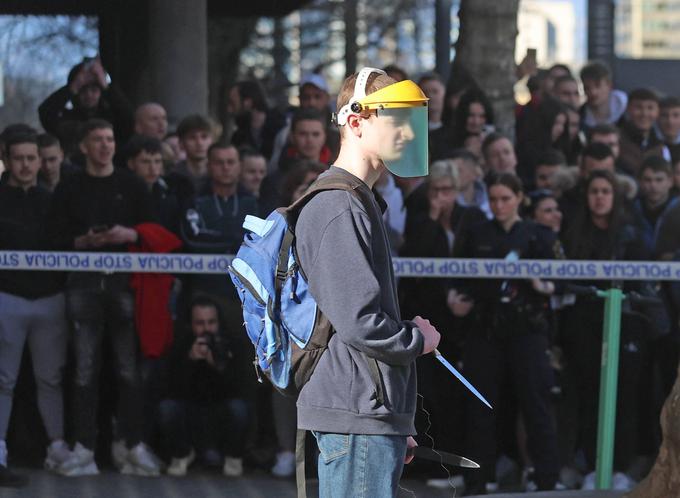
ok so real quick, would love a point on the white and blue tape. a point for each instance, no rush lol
(110, 262)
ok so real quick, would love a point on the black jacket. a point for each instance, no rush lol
(82, 201)
(23, 227)
(232, 376)
(425, 238)
(507, 306)
(61, 116)
(171, 196)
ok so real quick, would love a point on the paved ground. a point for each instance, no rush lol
(563, 494)
(200, 484)
(203, 484)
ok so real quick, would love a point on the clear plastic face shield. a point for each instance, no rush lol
(403, 146)
(400, 129)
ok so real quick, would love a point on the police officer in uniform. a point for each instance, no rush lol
(508, 335)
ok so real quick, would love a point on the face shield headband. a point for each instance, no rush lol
(353, 106)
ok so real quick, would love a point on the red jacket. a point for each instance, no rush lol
(152, 292)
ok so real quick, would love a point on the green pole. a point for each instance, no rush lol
(609, 371)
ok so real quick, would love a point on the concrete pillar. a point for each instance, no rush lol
(178, 56)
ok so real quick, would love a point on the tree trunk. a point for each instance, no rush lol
(442, 37)
(226, 38)
(351, 32)
(663, 480)
(281, 54)
(486, 48)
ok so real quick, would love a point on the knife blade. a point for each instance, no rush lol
(460, 377)
(442, 457)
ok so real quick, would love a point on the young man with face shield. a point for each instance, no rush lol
(363, 428)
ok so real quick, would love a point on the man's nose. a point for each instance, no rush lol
(407, 132)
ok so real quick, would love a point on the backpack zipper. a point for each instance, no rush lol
(247, 285)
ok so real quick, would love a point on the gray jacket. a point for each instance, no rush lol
(343, 249)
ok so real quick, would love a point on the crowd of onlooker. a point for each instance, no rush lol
(158, 367)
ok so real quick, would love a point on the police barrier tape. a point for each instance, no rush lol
(112, 262)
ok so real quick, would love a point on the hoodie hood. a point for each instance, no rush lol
(618, 101)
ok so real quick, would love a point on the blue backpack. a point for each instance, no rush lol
(284, 323)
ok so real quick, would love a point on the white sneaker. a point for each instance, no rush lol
(57, 453)
(141, 461)
(454, 482)
(589, 482)
(233, 467)
(3, 453)
(79, 463)
(570, 478)
(178, 466)
(119, 453)
(622, 482)
(491, 487)
(285, 464)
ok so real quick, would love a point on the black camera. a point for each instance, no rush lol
(209, 340)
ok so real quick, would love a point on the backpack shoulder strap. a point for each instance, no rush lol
(330, 182)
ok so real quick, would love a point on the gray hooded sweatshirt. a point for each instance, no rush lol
(343, 249)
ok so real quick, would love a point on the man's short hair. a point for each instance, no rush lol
(431, 76)
(222, 146)
(491, 139)
(668, 102)
(597, 151)
(564, 79)
(193, 122)
(551, 157)
(253, 90)
(394, 69)
(603, 129)
(596, 71)
(17, 128)
(643, 94)
(462, 154)
(73, 73)
(94, 124)
(141, 143)
(657, 164)
(247, 151)
(203, 301)
(140, 107)
(560, 66)
(306, 114)
(48, 140)
(17, 138)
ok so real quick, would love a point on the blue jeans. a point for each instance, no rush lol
(360, 466)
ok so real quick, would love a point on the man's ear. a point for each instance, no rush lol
(81, 146)
(354, 124)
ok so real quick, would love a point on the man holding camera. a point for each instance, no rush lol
(209, 383)
(87, 94)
